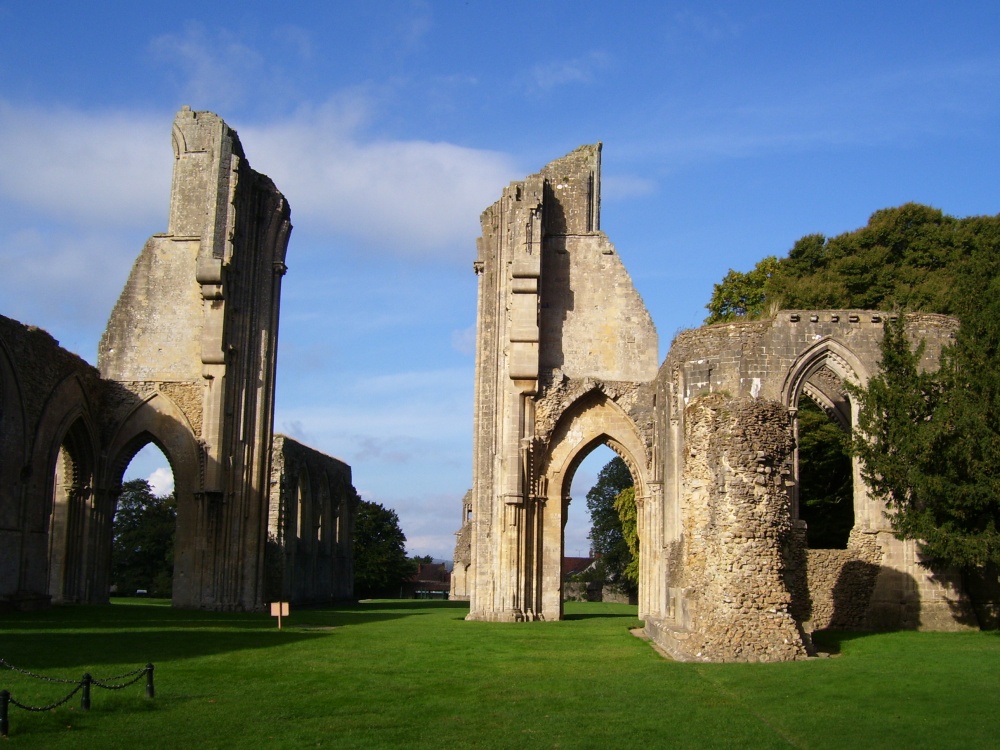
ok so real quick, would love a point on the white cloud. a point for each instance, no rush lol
(64, 281)
(81, 191)
(402, 198)
(161, 481)
(105, 168)
(396, 197)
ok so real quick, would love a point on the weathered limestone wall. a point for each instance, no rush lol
(188, 363)
(877, 582)
(311, 516)
(462, 557)
(46, 393)
(758, 358)
(832, 588)
(155, 330)
(566, 361)
(562, 336)
(197, 324)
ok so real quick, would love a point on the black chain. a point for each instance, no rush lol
(85, 684)
(11, 667)
(73, 692)
(138, 675)
(135, 674)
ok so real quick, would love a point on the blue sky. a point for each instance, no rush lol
(729, 130)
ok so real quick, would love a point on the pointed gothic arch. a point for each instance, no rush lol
(159, 420)
(592, 419)
(819, 373)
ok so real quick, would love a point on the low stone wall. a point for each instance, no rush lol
(592, 591)
(832, 588)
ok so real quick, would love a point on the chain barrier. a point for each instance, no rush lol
(11, 667)
(84, 684)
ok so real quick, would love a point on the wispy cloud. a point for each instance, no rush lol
(211, 67)
(402, 198)
(577, 70)
(412, 28)
(464, 340)
(713, 27)
(81, 191)
(892, 109)
(624, 186)
(91, 169)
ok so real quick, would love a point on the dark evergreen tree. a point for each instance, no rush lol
(380, 561)
(929, 443)
(142, 548)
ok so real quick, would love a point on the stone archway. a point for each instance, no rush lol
(566, 358)
(71, 523)
(820, 373)
(592, 420)
(158, 420)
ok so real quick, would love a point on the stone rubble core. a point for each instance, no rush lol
(187, 362)
(566, 360)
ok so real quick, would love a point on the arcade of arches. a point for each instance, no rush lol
(566, 359)
(187, 362)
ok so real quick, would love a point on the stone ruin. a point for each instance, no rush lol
(567, 360)
(187, 363)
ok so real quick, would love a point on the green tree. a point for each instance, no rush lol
(380, 561)
(607, 539)
(929, 442)
(930, 449)
(742, 295)
(906, 258)
(142, 547)
(628, 512)
(826, 483)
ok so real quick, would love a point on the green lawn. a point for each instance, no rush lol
(415, 674)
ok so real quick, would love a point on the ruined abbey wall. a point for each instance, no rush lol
(546, 345)
(310, 525)
(188, 363)
(565, 362)
(45, 393)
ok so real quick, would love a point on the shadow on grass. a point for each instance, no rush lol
(156, 615)
(832, 641)
(409, 604)
(74, 637)
(73, 651)
(594, 615)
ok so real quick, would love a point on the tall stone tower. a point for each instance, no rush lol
(193, 340)
(564, 344)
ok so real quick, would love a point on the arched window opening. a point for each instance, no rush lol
(69, 523)
(144, 527)
(598, 480)
(320, 517)
(302, 501)
(825, 478)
